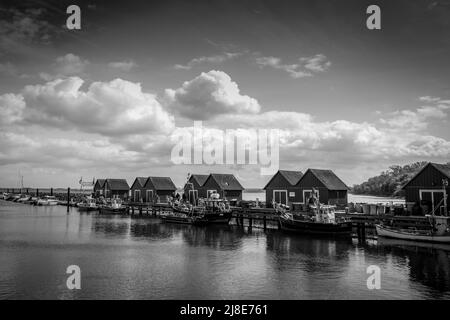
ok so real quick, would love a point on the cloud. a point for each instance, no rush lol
(209, 95)
(117, 107)
(124, 66)
(67, 65)
(418, 119)
(306, 67)
(207, 59)
(19, 28)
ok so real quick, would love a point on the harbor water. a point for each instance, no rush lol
(123, 257)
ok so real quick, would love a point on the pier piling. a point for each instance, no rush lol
(68, 199)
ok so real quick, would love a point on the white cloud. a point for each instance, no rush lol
(67, 65)
(209, 95)
(208, 59)
(306, 67)
(124, 66)
(111, 108)
(417, 120)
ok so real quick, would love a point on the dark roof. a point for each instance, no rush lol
(200, 178)
(291, 176)
(162, 183)
(141, 180)
(329, 179)
(226, 181)
(118, 184)
(101, 182)
(442, 168)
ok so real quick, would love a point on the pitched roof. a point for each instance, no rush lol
(141, 180)
(292, 177)
(443, 168)
(101, 182)
(226, 181)
(329, 179)
(118, 184)
(200, 178)
(162, 183)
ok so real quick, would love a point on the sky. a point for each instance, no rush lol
(113, 98)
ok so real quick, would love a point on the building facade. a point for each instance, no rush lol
(226, 185)
(427, 189)
(193, 189)
(159, 189)
(116, 188)
(282, 188)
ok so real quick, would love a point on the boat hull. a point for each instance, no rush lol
(105, 210)
(177, 219)
(83, 208)
(397, 234)
(305, 227)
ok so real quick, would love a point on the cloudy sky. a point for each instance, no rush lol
(108, 100)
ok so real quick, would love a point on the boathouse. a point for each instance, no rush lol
(193, 189)
(226, 185)
(428, 188)
(138, 192)
(99, 187)
(327, 185)
(159, 189)
(116, 188)
(282, 188)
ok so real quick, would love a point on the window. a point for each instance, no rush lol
(137, 195)
(149, 195)
(307, 194)
(280, 196)
(208, 192)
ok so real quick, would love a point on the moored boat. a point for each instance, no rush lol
(88, 204)
(114, 207)
(320, 221)
(439, 231)
(47, 201)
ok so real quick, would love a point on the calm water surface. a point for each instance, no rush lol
(141, 258)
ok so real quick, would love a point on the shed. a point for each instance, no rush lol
(226, 185)
(138, 191)
(116, 188)
(193, 189)
(331, 190)
(282, 187)
(99, 187)
(159, 189)
(426, 188)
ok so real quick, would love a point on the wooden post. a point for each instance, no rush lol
(68, 199)
(250, 223)
(264, 222)
(140, 210)
(37, 192)
(132, 210)
(51, 191)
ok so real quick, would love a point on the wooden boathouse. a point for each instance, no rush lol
(138, 192)
(282, 188)
(226, 185)
(116, 188)
(99, 187)
(326, 184)
(426, 190)
(194, 187)
(159, 189)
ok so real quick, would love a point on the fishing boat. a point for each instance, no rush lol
(320, 220)
(23, 199)
(114, 207)
(214, 210)
(47, 201)
(88, 204)
(439, 231)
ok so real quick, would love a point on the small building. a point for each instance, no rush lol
(159, 189)
(328, 187)
(99, 187)
(193, 189)
(426, 188)
(138, 192)
(226, 185)
(282, 188)
(116, 188)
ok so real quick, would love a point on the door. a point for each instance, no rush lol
(280, 196)
(193, 196)
(137, 195)
(149, 196)
(433, 199)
